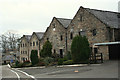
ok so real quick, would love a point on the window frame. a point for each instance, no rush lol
(94, 32)
(61, 37)
(33, 43)
(36, 43)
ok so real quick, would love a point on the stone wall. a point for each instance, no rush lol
(105, 51)
(53, 34)
(36, 44)
(24, 51)
(88, 24)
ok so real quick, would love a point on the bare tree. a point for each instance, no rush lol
(4, 43)
(9, 41)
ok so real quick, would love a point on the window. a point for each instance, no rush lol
(21, 45)
(26, 52)
(33, 43)
(54, 51)
(81, 17)
(79, 33)
(37, 43)
(23, 59)
(61, 53)
(82, 33)
(94, 32)
(71, 35)
(54, 24)
(21, 52)
(47, 39)
(61, 37)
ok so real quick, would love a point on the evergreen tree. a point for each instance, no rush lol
(34, 57)
(80, 49)
(47, 50)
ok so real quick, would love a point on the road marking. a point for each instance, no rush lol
(21, 72)
(8, 65)
(26, 74)
(16, 74)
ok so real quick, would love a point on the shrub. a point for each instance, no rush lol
(65, 58)
(19, 65)
(60, 61)
(53, 64)
(48, 60)
(47, 50)
(56, 57)
(69, 62)
(16, 63)
(80, 49)
(41, 64)
(34, 57)
(68, 55)
(26, 63)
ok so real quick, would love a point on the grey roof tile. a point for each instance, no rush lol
(8, 57)
(64, 22)
(39, 35)
(28, 37)
(107, 17)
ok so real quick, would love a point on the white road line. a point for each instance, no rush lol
(26, 74)
(21, 72)
(16, 74)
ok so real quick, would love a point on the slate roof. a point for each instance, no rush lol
(64, 22)
(39, 34)
(112, 19)
(8, 58)
(28, 37)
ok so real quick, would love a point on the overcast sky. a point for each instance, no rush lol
(27, 16)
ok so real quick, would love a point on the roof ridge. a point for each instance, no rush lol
(39, 32)
(102, 10)
(64, 18)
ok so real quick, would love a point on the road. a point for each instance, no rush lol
(108, 69)
(13, 74)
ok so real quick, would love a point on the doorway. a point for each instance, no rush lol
(114, 51)
(61, 53)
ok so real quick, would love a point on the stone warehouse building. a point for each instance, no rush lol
(56, 34)
(29, 43)
(35, 42)
(24, 47)
(102, 29)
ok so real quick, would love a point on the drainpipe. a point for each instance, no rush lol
(28, 54)
(66, 42)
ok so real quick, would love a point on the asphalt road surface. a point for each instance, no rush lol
(108, 69)
(13, 74)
